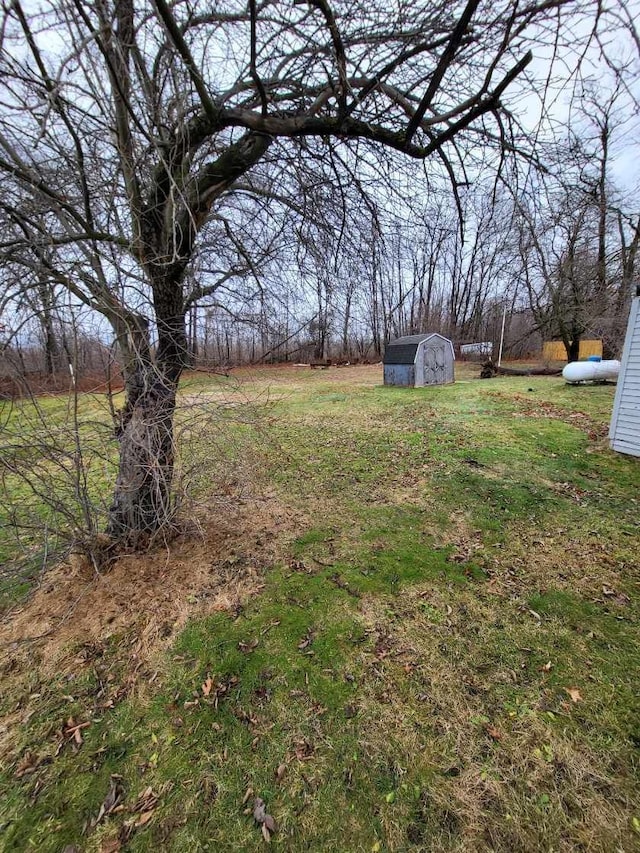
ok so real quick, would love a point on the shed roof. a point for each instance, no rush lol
(403, 350)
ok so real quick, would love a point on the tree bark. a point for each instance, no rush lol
(489, 370)
(143, 499)
(573, 351)
(51, 347)
(142, 502)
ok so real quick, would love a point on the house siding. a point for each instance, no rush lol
(624, 432)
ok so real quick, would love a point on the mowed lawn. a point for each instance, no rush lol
(404, 619)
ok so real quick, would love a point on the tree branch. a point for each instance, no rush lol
(445, 61)
(173, 30)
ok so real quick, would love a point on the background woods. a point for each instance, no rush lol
(276, 181)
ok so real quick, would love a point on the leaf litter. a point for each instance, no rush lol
(263, 819)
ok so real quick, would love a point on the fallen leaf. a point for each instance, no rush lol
(206, 687)
(282, 769)
(113, 799)
(306, 641)
(72, 731)
(27, 764)
(304, 750)
(493, 732)
(574, 693)
(259, 812)
(144, 818)
(147, 800)
(547, 666)
(266, 821)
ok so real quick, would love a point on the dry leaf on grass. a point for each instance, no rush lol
(574, 694)
(71, 732)
(144, 818)
(27, 764)
(266, 821)
(143, 810)
(304, 750)
(112, 801)
(147, 801)
(306, 641)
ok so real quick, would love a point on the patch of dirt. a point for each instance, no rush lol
(151, 596)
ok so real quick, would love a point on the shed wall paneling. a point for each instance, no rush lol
(624, 432)
(399, 374)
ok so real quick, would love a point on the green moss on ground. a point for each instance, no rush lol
(445, 659)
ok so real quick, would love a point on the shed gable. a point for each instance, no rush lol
(400, 354)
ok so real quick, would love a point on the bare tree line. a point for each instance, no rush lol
(305, 171)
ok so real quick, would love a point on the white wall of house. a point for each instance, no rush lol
(624, 432)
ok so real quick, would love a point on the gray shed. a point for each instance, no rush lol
(624, 432)
(418, 360)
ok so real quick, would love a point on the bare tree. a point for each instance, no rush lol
(130, 130)
(578, 234)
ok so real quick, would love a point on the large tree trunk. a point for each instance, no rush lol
(573, 350)
(50, 341)
(489, 370)
(51, 348)
(142, 502)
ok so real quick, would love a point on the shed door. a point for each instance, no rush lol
(435, 364)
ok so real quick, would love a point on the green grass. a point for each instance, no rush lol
(444, 658)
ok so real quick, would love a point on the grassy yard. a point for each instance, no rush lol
(405, 619)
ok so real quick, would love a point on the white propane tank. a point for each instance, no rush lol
(591, 371)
